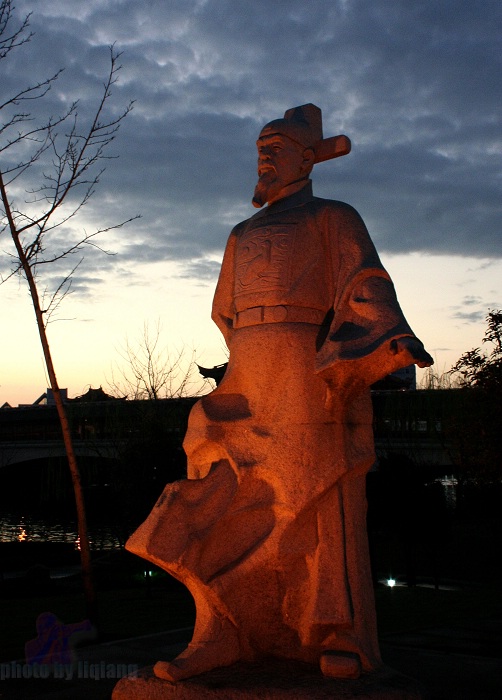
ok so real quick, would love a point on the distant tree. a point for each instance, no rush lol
(483, 370)
(433, 379)
(63, 156)
(148, 370)
(476, 426)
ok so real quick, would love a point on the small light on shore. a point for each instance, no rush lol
(391, 582)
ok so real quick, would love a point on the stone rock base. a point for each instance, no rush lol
(269, 680)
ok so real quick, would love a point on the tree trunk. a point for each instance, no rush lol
(85, 552)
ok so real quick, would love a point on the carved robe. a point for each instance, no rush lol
(269, 531)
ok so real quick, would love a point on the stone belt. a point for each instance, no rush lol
(278, 314)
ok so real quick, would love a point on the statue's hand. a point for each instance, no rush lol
(415, 348)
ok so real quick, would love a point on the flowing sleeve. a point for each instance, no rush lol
(366, 316)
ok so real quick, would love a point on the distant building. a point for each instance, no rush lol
(46, 399)
(404, 379)
(94, 395)
(216, 373)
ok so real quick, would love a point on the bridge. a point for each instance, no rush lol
(100, 429)
(424, 452)
(408, 423)
(12, 452)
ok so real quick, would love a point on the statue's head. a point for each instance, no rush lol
(286, 153)
(288, 148)
(300, 124)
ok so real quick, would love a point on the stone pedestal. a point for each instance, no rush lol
(269, 680)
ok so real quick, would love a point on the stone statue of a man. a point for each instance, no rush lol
(268, 532)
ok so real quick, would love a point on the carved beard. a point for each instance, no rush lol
(270, 184)
(262, 189)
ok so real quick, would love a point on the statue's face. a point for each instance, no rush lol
(281, 162)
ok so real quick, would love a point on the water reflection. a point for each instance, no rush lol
(449, 484)
(46, 527)
(18, 527)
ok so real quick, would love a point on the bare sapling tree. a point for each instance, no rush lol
(149, 370)
(48, 173)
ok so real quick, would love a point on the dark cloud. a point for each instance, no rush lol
(469, 317)
(415, 85)
(471, 310)
(203, 270)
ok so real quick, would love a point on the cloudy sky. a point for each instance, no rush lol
(415, 85)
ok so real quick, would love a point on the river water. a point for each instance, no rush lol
(20, 526)
(16, 526)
